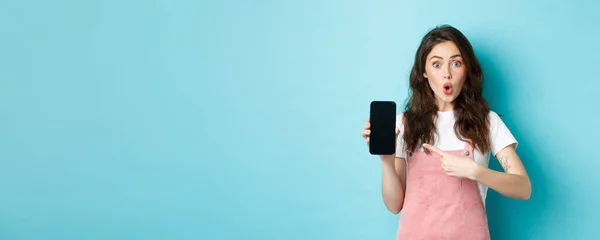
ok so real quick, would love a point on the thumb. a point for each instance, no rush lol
(434, 149)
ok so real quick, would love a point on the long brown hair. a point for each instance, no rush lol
(470, 108)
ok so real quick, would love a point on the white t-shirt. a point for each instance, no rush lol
(446, 139)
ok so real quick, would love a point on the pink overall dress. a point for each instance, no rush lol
(438, 206)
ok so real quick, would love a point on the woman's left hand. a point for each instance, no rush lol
(457, 166)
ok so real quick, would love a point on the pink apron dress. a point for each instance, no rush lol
(438, 206)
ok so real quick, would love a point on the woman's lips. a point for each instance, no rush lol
(447, 88)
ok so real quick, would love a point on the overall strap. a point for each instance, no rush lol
(468, 149)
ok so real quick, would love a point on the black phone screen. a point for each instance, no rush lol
(383, 128)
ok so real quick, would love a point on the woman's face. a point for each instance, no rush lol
(446, 72)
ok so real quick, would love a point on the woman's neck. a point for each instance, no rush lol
(444, 106)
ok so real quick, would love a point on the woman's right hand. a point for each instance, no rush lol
(393, 175)
(366, 133)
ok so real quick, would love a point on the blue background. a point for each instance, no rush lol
(242, 119)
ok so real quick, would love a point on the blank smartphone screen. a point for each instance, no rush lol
(383, 128)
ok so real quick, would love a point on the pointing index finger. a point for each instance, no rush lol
(434, 149)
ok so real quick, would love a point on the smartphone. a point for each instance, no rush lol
(383, 128)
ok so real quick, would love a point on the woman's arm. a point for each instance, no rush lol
(513, 182)
(393, 182)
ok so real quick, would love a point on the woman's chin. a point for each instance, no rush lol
(447, 98)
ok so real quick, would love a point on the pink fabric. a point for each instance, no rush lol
(438, 206)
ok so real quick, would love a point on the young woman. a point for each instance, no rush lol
(438, 176)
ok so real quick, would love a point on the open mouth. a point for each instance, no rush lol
(447, 88)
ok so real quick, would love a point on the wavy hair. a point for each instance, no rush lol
(470, 107)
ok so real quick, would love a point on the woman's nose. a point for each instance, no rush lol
(447, 74)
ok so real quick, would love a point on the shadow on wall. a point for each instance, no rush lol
(510, 218)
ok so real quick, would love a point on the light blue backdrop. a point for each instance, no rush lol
(242, 119)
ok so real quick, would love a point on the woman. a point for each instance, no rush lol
(438, 176)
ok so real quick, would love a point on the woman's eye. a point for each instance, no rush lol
(436, 65)
(456, 64)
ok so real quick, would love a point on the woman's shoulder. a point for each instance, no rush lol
(494, 119)
(400, 120)
(493, 115)
(500, 135)
(400, 116)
